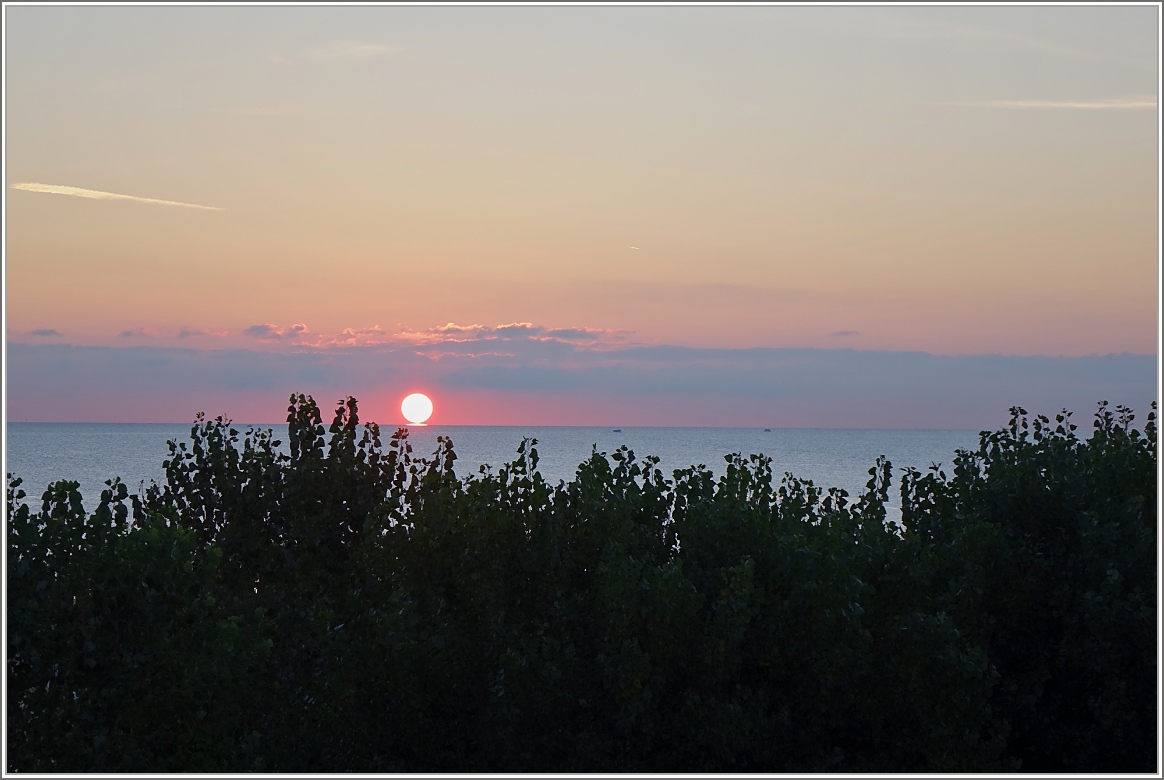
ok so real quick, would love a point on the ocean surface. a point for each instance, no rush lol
(90, 453)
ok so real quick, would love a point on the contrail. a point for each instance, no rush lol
(77, 192)
(1133, 102)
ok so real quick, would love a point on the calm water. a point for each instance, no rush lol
(91, 453)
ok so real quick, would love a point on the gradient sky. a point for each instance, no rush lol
(736, 216)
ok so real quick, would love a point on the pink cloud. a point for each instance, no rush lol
(354, 337)
(267, 331)
(513, 331)
(443, 333)
(149, 333)
(425, 340)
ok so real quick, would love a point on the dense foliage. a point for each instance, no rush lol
(352, 607)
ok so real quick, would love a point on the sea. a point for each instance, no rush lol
(91, 453)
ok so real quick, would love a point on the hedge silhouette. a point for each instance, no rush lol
(353, 607)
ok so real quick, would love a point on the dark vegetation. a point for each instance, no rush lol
(352, 607)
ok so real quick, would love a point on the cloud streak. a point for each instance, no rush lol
(1118, 104)
(78, 192)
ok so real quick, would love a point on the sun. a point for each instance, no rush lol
(416, 408)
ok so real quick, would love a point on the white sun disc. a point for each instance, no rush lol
(416, 408)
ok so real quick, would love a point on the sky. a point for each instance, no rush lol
(749, 216)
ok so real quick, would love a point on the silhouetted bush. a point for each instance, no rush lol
(351, 607)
